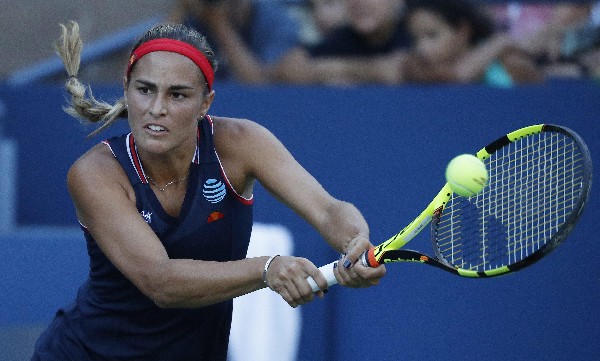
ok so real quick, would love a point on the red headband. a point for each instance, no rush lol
(174, 46)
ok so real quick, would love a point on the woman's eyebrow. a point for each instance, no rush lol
(172, 87)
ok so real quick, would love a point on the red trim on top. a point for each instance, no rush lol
(136, 160)
(246, 201)
(174, 46)
(196, 159)
(212, 129)
(105, 142)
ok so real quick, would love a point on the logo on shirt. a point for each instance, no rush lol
(215, 216)
(147, 216)
(214, 190)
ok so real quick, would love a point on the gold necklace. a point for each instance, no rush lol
(162, 189)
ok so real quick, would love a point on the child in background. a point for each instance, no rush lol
(455, 41)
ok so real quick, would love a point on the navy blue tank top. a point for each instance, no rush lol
(112, 318)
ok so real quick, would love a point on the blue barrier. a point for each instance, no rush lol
(382, 148)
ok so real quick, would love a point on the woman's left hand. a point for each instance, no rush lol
(350, 271)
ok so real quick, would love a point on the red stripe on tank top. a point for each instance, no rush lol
(135, 159)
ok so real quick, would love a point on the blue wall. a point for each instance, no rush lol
(382, 148)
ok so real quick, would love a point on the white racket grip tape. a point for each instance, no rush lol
(327, 271)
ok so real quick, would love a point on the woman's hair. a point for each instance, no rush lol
(456, 13)
(85, 106)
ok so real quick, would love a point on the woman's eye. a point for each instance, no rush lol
(144, 90)
(177, 95)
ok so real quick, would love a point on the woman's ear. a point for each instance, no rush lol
(208, 99)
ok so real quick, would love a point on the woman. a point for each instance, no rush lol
(454, 41)
(166, 212)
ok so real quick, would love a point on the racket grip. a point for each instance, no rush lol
(367, 259)
(327, 271)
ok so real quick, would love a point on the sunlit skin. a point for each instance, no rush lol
(164, 105)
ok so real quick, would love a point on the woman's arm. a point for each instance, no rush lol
(472, 66)
(519, 64)
(105, 203)
(299, 67)
(249, 151)
(243, 62)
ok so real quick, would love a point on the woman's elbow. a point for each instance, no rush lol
(166, 292)
(158, 287)
(157, 293)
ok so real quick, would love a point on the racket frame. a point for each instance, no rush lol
(390, 250)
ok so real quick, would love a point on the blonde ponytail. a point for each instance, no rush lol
(83, 107)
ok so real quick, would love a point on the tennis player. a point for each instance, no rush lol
(166, 211)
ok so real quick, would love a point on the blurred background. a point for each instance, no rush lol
(373, 97)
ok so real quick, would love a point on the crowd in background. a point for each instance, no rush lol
(342, 42)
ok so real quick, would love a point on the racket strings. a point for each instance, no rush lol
(533, 186)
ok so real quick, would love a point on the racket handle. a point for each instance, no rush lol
(327, 271)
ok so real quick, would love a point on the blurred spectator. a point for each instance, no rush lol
(560, 44)
(366, 49)
(328, 14)
(560, 36)
(456, 41)
(591, 61)
(250, 37)
(321, 17)
(520, 20)
(589, 56)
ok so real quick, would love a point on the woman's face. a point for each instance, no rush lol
(435, 39)
(328, 14)
(165, 100)
(370, 16)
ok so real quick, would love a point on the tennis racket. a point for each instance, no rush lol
(539, 181)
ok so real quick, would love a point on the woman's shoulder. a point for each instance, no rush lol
(97, 156)
(236, 129)
(97, 163)
(242, 138)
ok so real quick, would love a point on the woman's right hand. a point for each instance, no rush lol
(287, 276)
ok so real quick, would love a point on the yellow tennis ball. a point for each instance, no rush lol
(466, 175)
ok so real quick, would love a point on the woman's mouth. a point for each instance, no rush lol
(156, 128)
